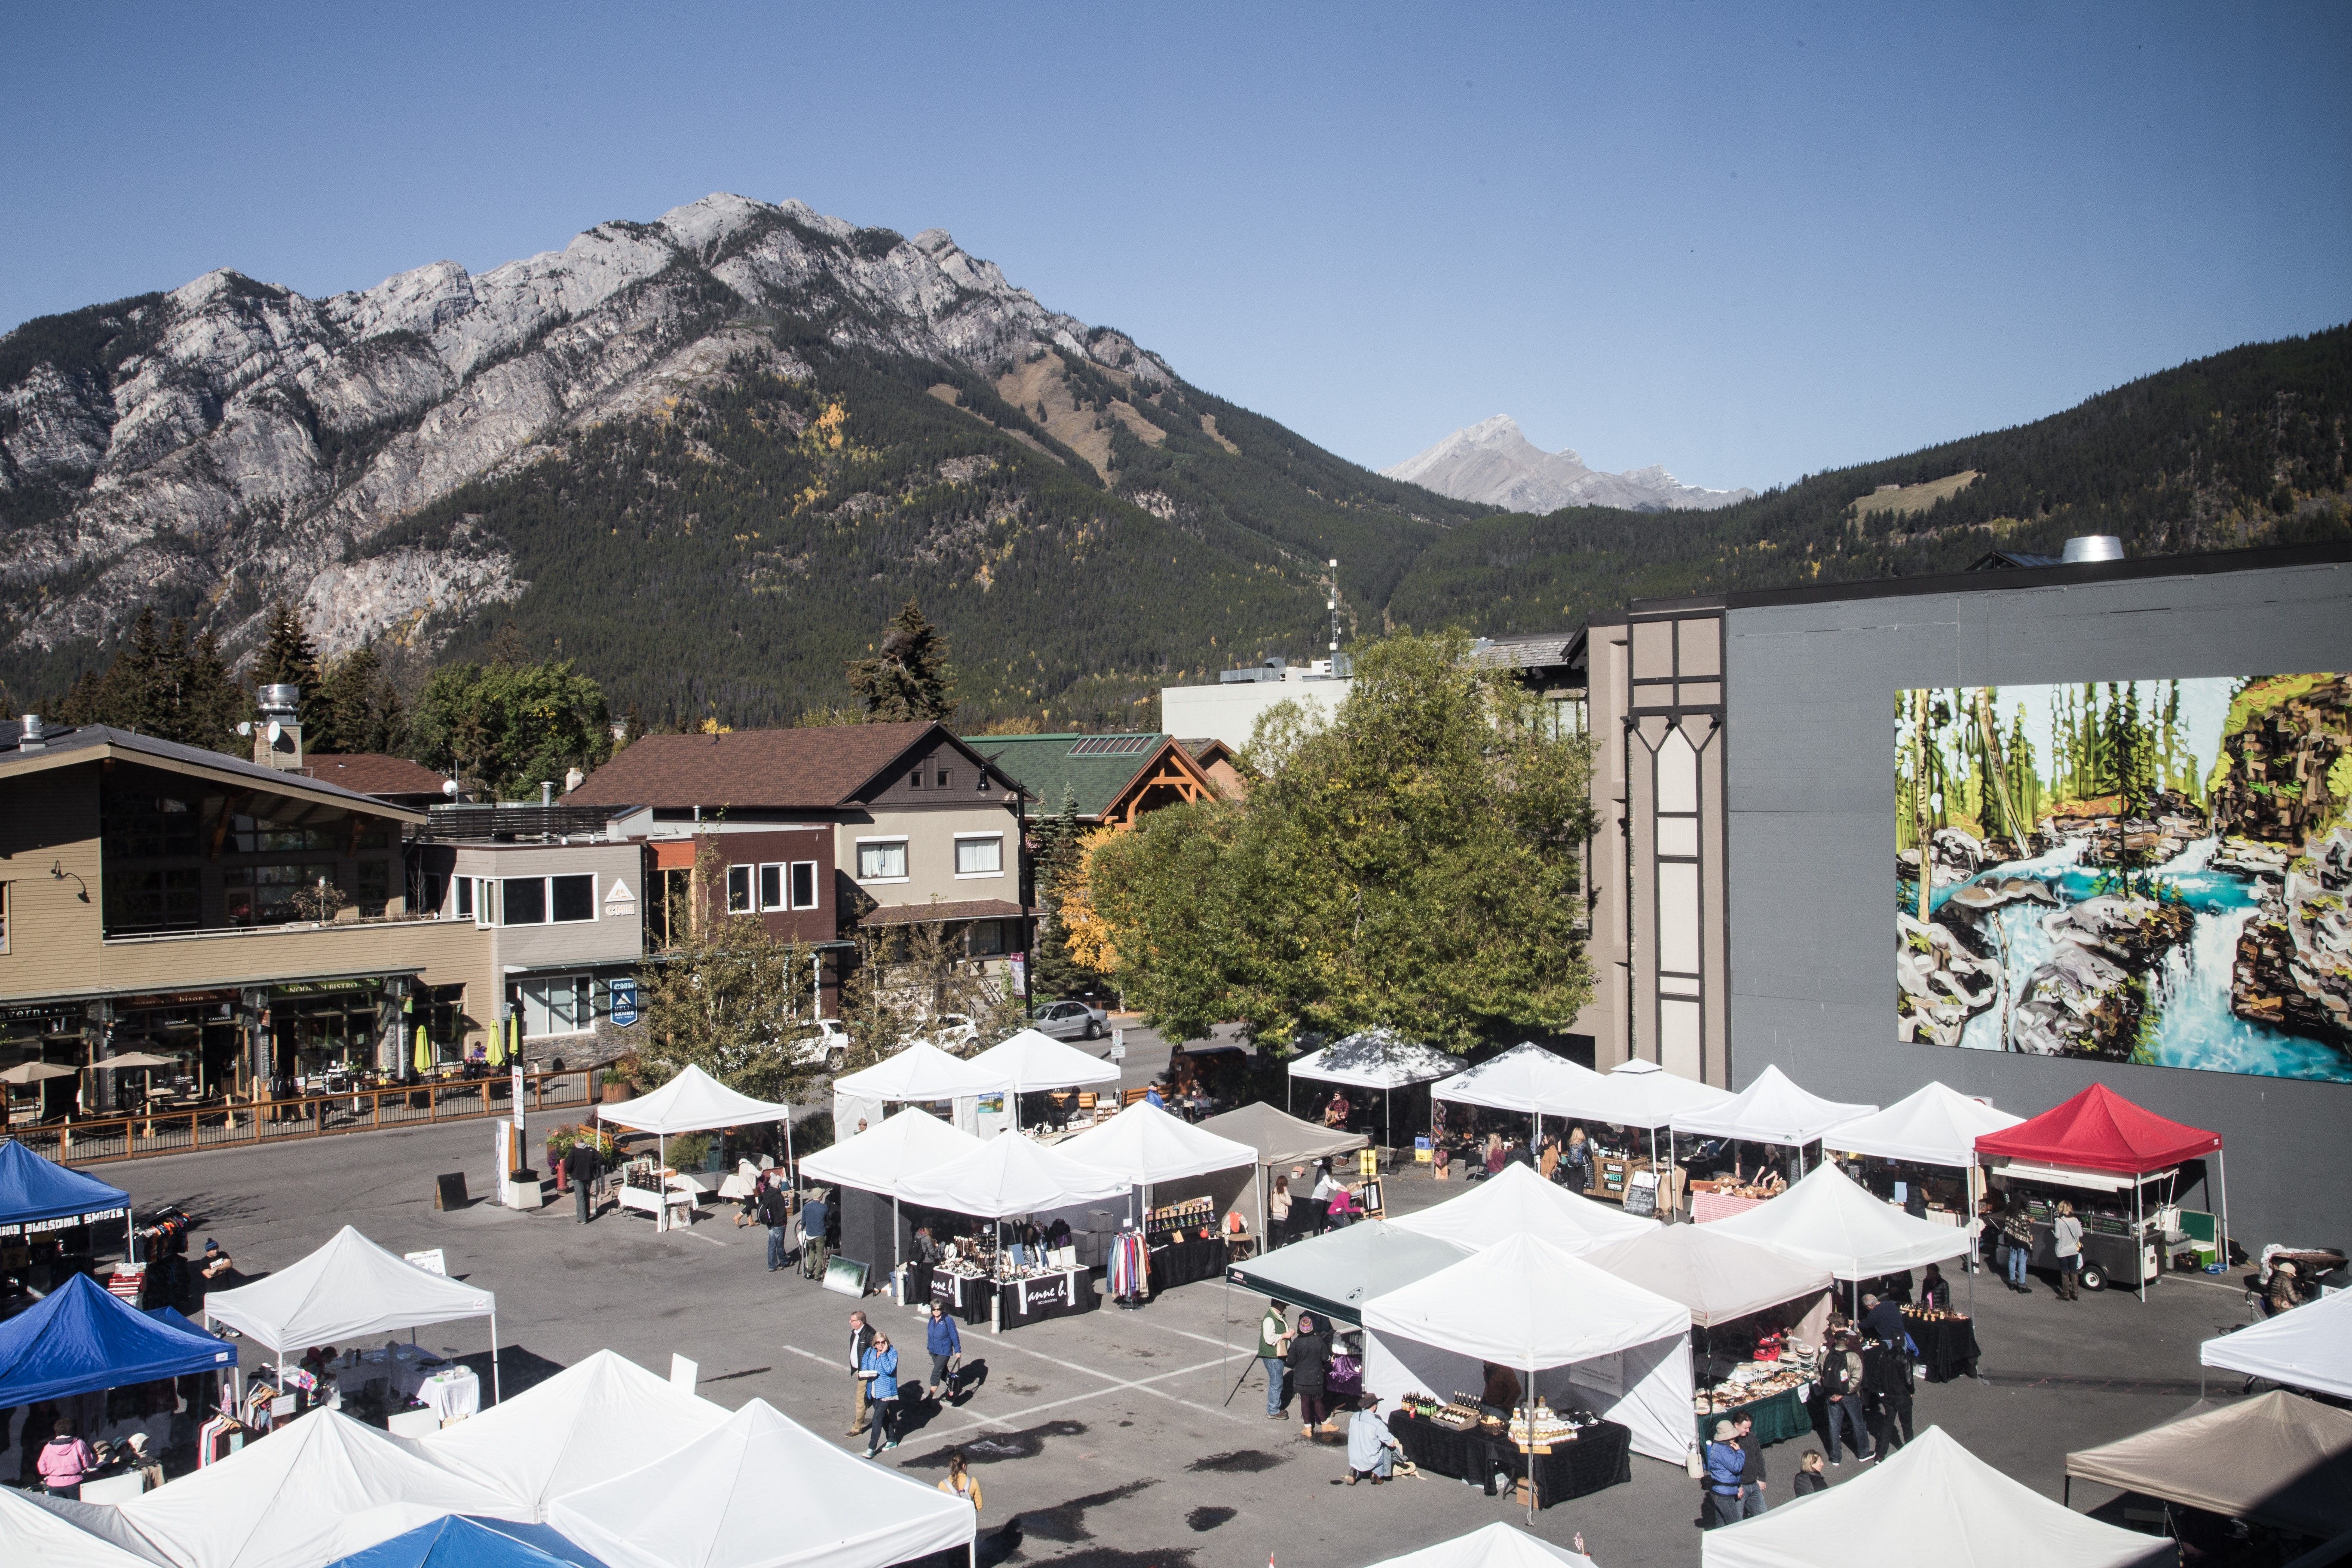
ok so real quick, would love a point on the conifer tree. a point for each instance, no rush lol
(910, 678)
(288, 656)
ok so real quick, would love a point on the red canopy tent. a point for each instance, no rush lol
(2099, 1129)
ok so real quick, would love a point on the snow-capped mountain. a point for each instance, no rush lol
(1493, 464)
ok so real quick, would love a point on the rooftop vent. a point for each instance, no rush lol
(2090, 547)
(278, 700)
(30, 735)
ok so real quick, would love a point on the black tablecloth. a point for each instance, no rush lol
(1948, 1347)
(1023, 1301)
(1184, 1260)
(1598, 1456)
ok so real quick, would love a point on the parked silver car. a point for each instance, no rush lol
(1071, 1021)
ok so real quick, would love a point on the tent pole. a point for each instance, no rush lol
(1531, 1437)
(2139, 1237)
(496, 1394)
(661, 1181)
(2220, 1159)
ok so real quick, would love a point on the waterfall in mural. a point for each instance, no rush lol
(2151, 871)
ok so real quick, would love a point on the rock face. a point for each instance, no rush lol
(233, 440)
(1495, 464)
(2293, 968)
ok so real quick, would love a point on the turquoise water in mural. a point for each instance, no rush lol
(2189, 988)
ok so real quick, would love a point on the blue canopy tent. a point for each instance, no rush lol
(37, 1194)
(452, 1541)
(79, 1340)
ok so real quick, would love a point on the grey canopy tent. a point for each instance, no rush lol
(1336, 1273)
(2280, 1460)
(1279, 1140)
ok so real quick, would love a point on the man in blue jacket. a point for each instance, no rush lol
(1724, 1463)
(945, 1342)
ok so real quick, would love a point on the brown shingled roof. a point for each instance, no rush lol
(371, 773)
(815, 769)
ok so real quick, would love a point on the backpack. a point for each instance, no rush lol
(1836, 1378)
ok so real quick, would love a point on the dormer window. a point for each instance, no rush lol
(915, 779)
(943, 778)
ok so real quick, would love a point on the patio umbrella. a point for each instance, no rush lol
(33, 1072)
(423, 1050)
(496, 1055)
(140, 1059)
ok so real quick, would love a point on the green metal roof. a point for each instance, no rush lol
(1094, 768)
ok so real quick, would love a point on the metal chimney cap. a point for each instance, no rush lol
(2092, 547)
(278, 699)
(30, 735)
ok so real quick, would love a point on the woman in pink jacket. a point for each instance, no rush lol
(65, 1459)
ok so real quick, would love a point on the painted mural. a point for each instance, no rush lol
(2151, 871)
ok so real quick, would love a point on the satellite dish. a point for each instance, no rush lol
(449, 788)
(275, 729)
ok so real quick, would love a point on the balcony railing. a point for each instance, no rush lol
(243, 1124)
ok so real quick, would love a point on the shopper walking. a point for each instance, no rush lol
(879, 1370)
(944, 1340)
(580, 1165)
(816, 1216)
(1751, 1471)
(1273, 1339)
(861, 1340)
(1887, 1376)
(1725, 1461)
(2017, 1236)
(959, 1482)
(1309, 1360)
(1579, 1159)
(1278, 1215)
(2066, 1241)
(775, 1211)
(1841, 1387)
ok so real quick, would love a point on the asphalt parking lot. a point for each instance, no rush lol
(1107, 1439)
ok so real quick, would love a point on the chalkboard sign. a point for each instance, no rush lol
(1642, 1196)
(450, 1191)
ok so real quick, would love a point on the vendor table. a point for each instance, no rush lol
(1778, 1418)
(452, 1395)
(1056, 1295)
(1706, 1206)
(1597, 1456)
(1948, 1346)
(1182, 1261)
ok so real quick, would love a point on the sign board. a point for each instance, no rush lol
(845, 1276)
(517, 1086)
(623, 993)
(433, 1261)
(1019, 969)
(1642, 1194)
(1421, 1150)
(683, 1373)
(1118, 1044)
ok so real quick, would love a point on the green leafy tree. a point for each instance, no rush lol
(732, 998)
(910, 678)
(505, 728)
(288, 656)
(356, 707)
(908, 976)
(1416, 863)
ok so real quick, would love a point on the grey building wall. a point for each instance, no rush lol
(1811, 797)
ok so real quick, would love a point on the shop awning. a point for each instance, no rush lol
(1932, 1505)
(39, 1195)
(1526, 1078)
(2102, 1130)
(2309, 1347)
(596, 1419)
(1772, 1110)
(1008, 1174)
(1518, 1202)
(1029, 1061)
(1827, 1219)
(1376, 1058)
(1935, 1125)
(693, 1102)
(1717, 1277)
(1147, 1145)
(2279, 1460)
(761, 1491)
(81, 1337)
(1336, 1272)
(877, 1159)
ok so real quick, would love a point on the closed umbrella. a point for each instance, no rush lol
(497, 1051)
(423, 1050)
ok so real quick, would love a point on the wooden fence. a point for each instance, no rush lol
(101, 1140)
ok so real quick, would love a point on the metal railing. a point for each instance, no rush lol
(244, 1124)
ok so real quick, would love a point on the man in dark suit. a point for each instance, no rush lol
(861, 1337)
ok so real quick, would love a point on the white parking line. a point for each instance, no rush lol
(1114, 1385)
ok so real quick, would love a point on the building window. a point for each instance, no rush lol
(882, 860)
(486, 901)
(3, 917)
(374, 886)
(572, 898)
(738, 890)
(985, 939)
(465, 897)
(538, 900)
(943, 778)
(264, 895)
(152, 901)
(526, 901)
(558, 1005)
(771, 885)
(915, 779)
(804, 884)
(980, 856)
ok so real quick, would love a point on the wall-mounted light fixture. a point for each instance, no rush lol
(58, 871)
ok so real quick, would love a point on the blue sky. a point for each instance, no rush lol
(1748, 242)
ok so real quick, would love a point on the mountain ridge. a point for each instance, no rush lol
(1493, 464)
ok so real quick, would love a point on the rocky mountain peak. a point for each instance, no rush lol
(1493, 463)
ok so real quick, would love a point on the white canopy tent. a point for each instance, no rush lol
(2308, 1348)
(1375, 1058)
(1827, 1219)
(1634, 1094)
(1526, 1078)
(1030, 1062)
(1147, 1144)
(919, 1074)
(761, 1491)
(693, 1102)
(1527, 1304)
(1772, 1110)
(286, 1501)
(350, 1288)
(1008, 1174)
(38, 1532)
(1717, 1277)
(1934, 1125)
(876, 1160)
(1519, 1203)
(594, 1420)
(1932, 1505)
(1496, 1545)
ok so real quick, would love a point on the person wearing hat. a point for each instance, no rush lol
(1725, 1464)
(2281, 1295)
(148, 1463)
(214, 1269)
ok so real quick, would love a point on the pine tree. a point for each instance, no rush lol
(910, 678)
(288, 656)
(212, 704)
(1052, 971)
(356, 707)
